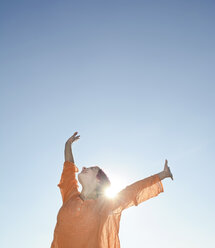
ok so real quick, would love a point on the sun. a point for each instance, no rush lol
(111, 192)
(116, 186)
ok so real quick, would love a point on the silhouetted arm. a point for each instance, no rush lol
(68, 184)
(68, 147)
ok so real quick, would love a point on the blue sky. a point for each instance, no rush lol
(136, 80)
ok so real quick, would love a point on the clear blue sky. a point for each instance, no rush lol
(136, 80)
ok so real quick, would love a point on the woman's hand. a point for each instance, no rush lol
(167, 170)
(73, 138)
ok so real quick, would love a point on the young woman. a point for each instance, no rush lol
(89, 219)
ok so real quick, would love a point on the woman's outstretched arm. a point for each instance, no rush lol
(68, 147)
(140, 191)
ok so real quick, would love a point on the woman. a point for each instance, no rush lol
(89, 219)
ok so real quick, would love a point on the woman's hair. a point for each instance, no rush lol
(104, 181)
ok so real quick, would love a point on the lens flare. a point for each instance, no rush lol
(117, 184)
(111, 192)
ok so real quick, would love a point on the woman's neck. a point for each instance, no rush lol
(88, 194)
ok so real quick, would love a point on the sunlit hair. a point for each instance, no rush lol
(104, 181)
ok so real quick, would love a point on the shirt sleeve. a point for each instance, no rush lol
(137, 193)
(68, 184)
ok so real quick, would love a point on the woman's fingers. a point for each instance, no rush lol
(166, 164)
(77, 137)
(73, 137)
(74, 134)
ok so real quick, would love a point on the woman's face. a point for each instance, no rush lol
(87, 177)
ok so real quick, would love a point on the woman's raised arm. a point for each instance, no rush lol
(68, 147)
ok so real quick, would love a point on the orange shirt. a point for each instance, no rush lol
(95, 223)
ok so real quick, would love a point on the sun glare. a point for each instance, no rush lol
(116, 186)
(111, 192)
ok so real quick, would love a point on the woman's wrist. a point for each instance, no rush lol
(163, 174)
(68, 143)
